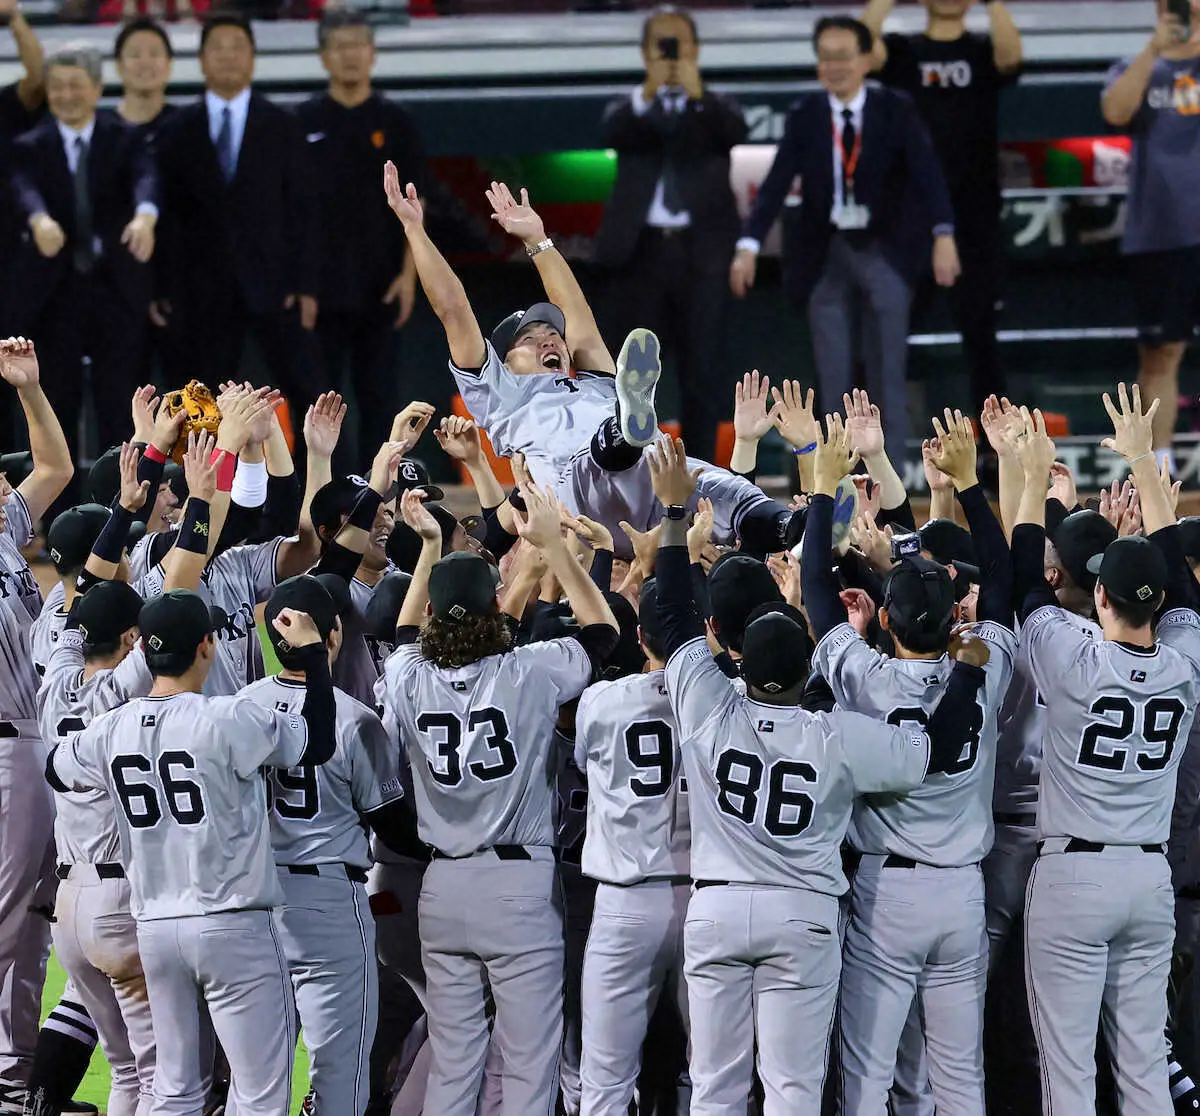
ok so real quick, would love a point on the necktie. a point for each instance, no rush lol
(672, 195)
(848, 137)
(226, 156)
(84, 250)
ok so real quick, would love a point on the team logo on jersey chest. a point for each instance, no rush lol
(149, 720)
(281, 706)
(1137, 676)
(766, 726)
(459, 687)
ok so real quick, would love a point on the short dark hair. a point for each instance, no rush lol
(862, 32)
(224, 18)
(668, 10)
(1136, 614)
(142, 23)
(342, 19)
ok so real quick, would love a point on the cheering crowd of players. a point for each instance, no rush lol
(636, 759)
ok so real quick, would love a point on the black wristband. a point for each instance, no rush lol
(110, 544)
(193, 535)
(362, 515)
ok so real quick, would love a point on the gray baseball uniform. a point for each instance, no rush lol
(325, 926)
(1099, 918)
(44, 633)
(192, 816)
(479, 741)
(360, 661)
(628, 746)
(95, 936)
(235, 581)
(27, 818)
(770, 789)
(917, 921)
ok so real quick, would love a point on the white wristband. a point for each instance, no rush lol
(250, 484)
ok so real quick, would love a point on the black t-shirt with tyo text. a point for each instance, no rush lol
(956, 88)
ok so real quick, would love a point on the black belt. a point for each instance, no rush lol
(1015, 819)
(104, 871)
(893, 860)
(711, 883)
(8, 729)
(503, 852)
(675, 881)
(353, 873)
(1078, 844)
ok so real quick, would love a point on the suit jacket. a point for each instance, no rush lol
(706, 130)
(255, 235)
(121, 176)
(898, 178)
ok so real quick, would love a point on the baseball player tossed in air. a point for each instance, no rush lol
(545, 385)
(317, 830)
(916, 917)
(770, 792)
(185, 772)
(477, 720)
(638, 847)
(1099, 923)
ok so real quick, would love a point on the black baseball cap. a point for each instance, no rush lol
(505, 334)
(948, 542)
(106, 611)
(627, 657)
(174, 623)
(447, 521)
(304, 593)
(16, 466)
(403, 546)
(462, 584)
(919, 597)
(648, 616)
(1080, 538)
(413, 474)
(104, 480)
(333, 501)
(1132, 570)
(1189, 536)
(383, 609)
(73, 534)
(339, 589)
(776, 648)
(737, 585)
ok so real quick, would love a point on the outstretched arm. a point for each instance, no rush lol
(442, 287)
(588, 351)
(31, 88)
(52, 468)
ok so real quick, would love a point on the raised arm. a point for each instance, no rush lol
(587, 347)
(795, 420)
(873, 15)
(52, 468)
(865, 429)
(1035, 452)
(322, 429)
(418, 517)
(1006, 39)
(674, 485)
(442, 287)
(833, 459)
(186, 560)
(1000, 422)
(31, 88)
(1122, 99)
(751, 421)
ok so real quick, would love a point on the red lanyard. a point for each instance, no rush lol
(849, 166)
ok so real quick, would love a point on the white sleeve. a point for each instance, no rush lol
(1180, 629)
(374, 764)
(849, 665)
(697, 687)
(880, 757)
(1061, 654)
(259, 737)
(561, 662)
(20, 525)
(74, 762)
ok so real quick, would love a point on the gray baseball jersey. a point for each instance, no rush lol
(20, 604)
(627, 744)
(360, 661)
(480, 738)
(947, 820)
(1115, 727)
(192, 813)
(771, 787)
(85, 822)
(1022, 722)
(43, 636)
(546, 417)
(235, 581)
(316, 811)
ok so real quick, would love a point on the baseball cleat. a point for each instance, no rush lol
(638, 369)
(12, 1099)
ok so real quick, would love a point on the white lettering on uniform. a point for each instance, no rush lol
(944, 74)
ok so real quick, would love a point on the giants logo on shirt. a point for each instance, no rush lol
(1182, 95)
(946, 75)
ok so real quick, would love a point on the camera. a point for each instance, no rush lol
(905, 546)
(669, 48)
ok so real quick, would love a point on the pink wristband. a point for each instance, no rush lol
(153, 453)
(226, 464)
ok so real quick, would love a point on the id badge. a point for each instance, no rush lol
(853, 216)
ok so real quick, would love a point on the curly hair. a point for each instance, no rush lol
(457, 643)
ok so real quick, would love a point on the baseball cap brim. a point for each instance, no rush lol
(506, 333)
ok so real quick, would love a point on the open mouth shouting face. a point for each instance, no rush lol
(538, 349)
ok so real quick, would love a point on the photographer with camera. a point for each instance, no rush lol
(670, 225)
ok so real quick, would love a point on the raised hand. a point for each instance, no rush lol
(955, 455)
(409, 424)
(869, 503)
(541, 523)
(645, 550)
(934, 477)
(700, 533)
(967, 648)
(1170, 489)
(998, 418)
(672, 480)
(596, 535)
(323, 424)
(142, 410)
(133, 492)
(383, 468)
(794, 416)
(297, 628)
(1062, 485)
(751, 420)
(863, 424)
(165, 431)
(860, 609)
(244, 413)
(874, 542)
(404, 203)
(201, 476)
(262, 424)
(1133, 432)
(1033, 446)
(414, 512)
(18, 362)
(460, 439)
(834, 456)
(518, 219)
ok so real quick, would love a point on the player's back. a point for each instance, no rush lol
(360, 661)
(186, 772)
(51, 621)
(947, 820)
(315, 812)
(20, 604)
(637, 825)
(479, 740)
(770, 788)
(1117, 720)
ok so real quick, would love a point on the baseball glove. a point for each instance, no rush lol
(198, 403)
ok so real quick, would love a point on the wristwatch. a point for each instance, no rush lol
(539, 247)
(676, 512)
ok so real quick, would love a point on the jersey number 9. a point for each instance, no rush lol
(651, 747)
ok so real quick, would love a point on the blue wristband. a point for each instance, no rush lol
(804, 449)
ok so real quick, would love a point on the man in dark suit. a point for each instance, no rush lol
(239, 252)
(86, 188)
(875, 203)
(671, 223)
